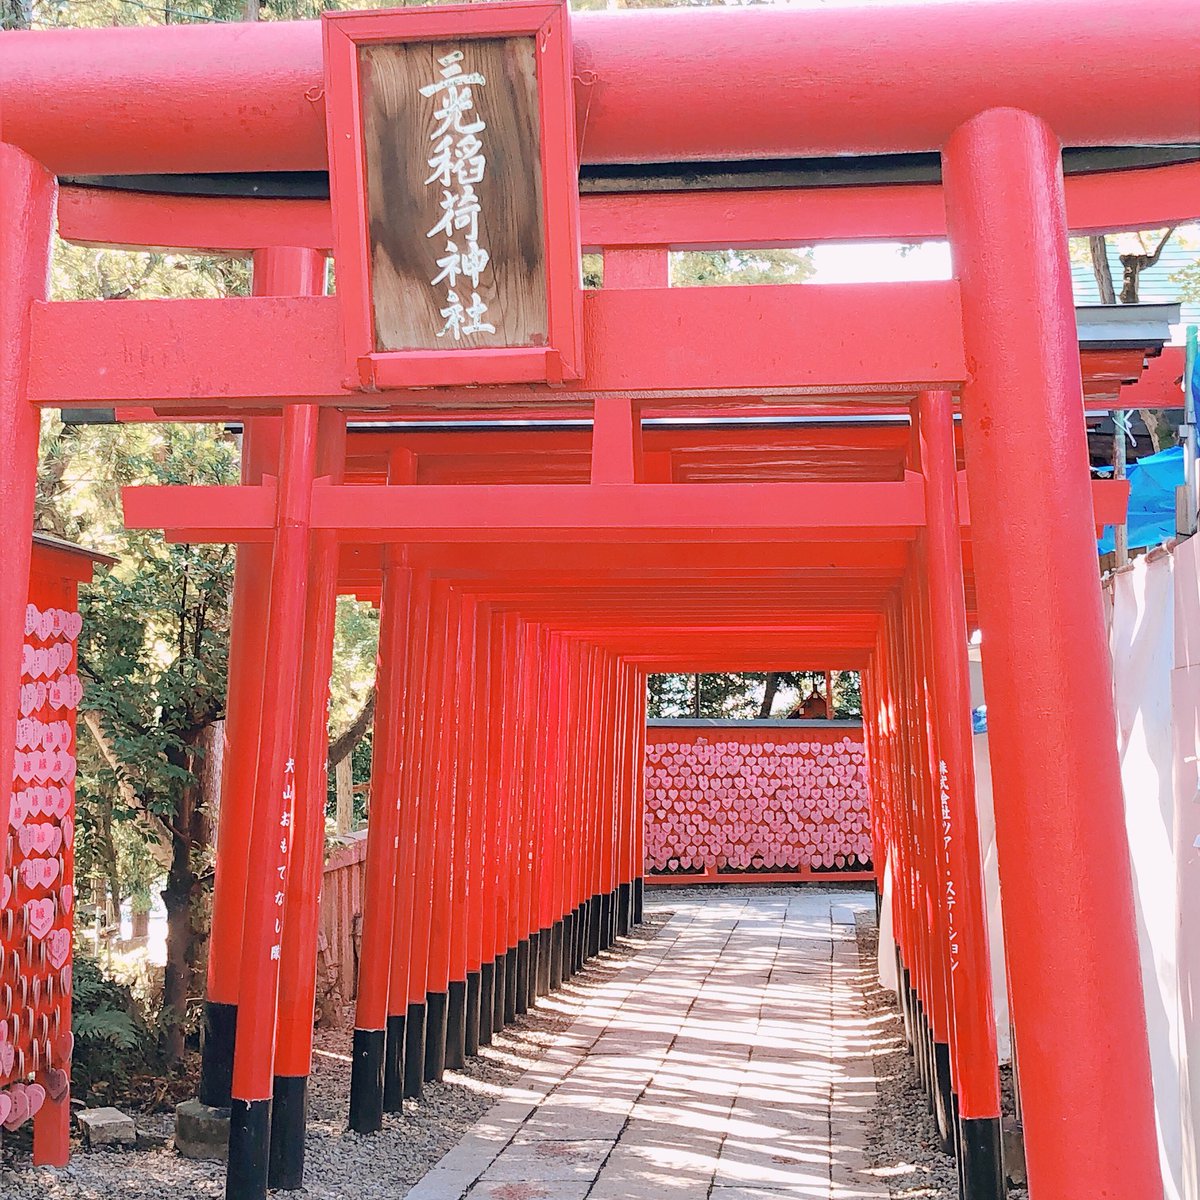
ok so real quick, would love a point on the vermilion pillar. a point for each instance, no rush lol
(274, 810)
(277, 272)
(425, 765)
(1060, 834)
(243, 725)
(298, 962)
(406, 853)
(458, 1016)
(443, 699)
(27, 197)
(383, 834)
(974, 1021)
(379, 902)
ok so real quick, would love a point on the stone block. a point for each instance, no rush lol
(103, 1127)
(1013, 1134)
(202, 1131)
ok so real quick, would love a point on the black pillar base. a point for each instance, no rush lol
(249, 1148)
(544, 938)
(594, 915)
(910, 1040)
(925, 1055)
(531, 978)
(944, 1103)
(471, 1027)
(981, 1159)
(556, 956)
(606, 920)
(435, 1036)
(366, 1080)
(510, 985)
(456, 1025)
(393, 1067)
(487, 1002)
(639, 898)
(414, 1050)
(568, 946)
(522, 994)
(289, 1115)
(500, 994)
(624, 908)
(216, 1054)
(581, 935)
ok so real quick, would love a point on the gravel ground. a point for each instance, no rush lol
(902, 1144)
(339, 1165)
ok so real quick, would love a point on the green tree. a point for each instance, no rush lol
(153, 654)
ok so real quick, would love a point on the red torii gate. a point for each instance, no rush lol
(510, 912)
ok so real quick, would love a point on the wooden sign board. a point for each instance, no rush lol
(454, 181)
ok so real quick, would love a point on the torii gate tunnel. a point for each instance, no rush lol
(550, 493)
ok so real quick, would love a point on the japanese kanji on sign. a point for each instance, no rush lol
(453, 178)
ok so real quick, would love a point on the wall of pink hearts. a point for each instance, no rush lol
(37, 896)
(756, 801)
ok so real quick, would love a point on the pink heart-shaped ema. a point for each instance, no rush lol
(31, 619)
(64, 977)
(72, 624)
(5, 1107)
(57, 1083)
(40, 914)
(68, 897)
(5, 890)
(59, 947)
(35, 1097)
(64, 1047)
(18, 1112)
(8, 1056)
(45, 628)
(19, 808)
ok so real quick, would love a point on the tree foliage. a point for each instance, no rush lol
(749, 695)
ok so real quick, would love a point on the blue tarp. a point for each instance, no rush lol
(1152, 484)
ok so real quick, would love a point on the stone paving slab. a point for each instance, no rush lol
(728, 1060)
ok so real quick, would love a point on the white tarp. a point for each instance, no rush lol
(1185, 705)
(1142, 637)
(889, 976)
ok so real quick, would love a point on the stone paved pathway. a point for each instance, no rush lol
(729, 1060)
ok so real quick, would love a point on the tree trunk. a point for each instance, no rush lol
(183, 897)
(343, 774)
(768, 700)
(108, 857)
(1098, 246)
(343, 745)
(16, 14)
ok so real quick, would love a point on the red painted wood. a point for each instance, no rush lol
(298, 965)
(251, 98)
(974, 1022)
(37, 891)
(855, 338)
(387, 766)
(1076, 992)
(1112, 200)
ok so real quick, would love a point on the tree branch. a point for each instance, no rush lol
(160, 848)
(343, 745)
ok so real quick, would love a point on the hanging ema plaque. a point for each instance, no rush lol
(453, 177)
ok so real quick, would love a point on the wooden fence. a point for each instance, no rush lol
(341, 912)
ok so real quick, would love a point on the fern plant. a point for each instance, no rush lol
(112, 1038)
